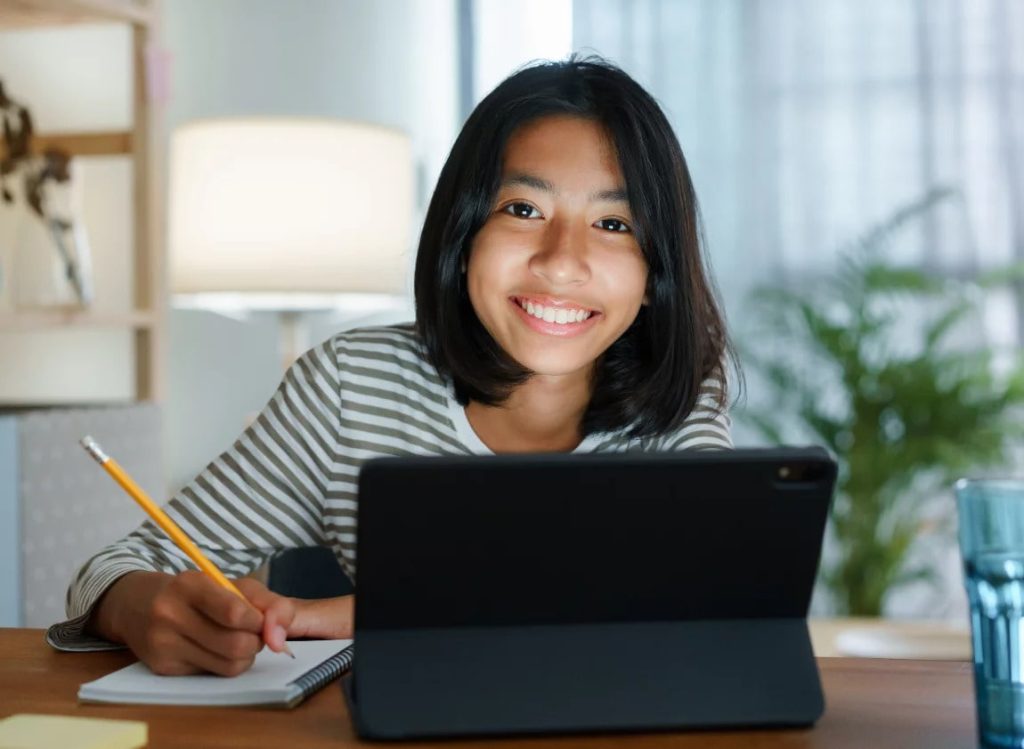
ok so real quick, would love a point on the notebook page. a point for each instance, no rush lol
(266, 682)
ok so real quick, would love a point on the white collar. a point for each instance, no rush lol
(469, 438)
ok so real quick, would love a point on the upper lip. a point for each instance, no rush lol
(553, 302)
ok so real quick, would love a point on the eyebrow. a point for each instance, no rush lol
(521, 179)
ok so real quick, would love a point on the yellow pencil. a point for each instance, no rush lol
(161, 518)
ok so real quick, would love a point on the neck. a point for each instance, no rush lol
(543, 414)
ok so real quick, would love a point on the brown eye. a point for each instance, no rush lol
(521, 210)
(614, 224)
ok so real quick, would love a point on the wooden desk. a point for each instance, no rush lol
(872, 704)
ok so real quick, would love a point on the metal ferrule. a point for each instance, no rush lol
(94, 449)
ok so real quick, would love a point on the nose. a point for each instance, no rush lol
(562, 258)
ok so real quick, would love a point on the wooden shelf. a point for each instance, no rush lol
(29, 13)
(146, 323)
(86, 144)
(58, 319)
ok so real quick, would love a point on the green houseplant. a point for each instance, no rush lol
(865, 362)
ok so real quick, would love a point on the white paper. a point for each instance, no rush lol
(267, 682)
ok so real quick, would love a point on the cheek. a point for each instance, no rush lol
(626, 274)
(484, 271)
(494, 256)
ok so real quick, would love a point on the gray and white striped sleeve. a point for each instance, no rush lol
(263, 494)
(708, 427)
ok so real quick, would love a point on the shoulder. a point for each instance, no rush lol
(380, 339)
(391, 353)
(708, 425)
(398, 346)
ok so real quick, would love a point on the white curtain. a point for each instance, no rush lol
(806, 121)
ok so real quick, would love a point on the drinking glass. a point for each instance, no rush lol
(991, 515)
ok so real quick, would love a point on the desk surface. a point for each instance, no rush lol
(871, 703)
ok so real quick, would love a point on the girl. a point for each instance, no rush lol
(562, 304)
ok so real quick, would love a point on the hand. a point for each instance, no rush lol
(187, 623)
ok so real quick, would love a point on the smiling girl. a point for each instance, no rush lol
(562, 304)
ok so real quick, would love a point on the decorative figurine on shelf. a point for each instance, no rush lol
(62, 277)
(17, 134)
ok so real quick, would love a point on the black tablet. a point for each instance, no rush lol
(523, 594)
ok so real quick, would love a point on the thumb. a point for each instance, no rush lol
(278, 611)
(258, 594)
(277, 621)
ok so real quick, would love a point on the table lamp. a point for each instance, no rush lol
(290, 215)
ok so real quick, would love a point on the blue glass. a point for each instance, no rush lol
(991, 515)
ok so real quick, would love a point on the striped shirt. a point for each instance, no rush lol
(290, 480)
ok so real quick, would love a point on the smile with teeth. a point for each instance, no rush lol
(559, 315)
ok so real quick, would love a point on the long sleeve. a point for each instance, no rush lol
(708, 427)
(264, 494)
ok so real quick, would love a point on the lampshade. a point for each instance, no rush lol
(276, 205)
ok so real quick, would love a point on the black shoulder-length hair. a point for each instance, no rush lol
(649, 380)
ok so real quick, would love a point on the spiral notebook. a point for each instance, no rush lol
(275, 680)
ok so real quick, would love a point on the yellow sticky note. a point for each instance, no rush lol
(27, 731)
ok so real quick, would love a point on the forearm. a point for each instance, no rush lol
(324, 618)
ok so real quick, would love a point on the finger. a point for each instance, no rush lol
(174, 654)
(258, 594)
(277, 618)
(178, 614)
(278, 612)
(195, 655)
(233, 644)
(224, 607)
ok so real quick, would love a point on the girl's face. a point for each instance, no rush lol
(555, 274)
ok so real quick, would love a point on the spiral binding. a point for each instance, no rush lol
(327, 671)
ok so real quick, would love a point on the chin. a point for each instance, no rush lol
(553, 364)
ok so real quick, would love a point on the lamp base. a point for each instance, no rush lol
(293, 336)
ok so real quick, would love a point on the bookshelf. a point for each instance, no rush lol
(145, 320)
(55, 508)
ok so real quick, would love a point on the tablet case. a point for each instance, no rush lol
(557, 593)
